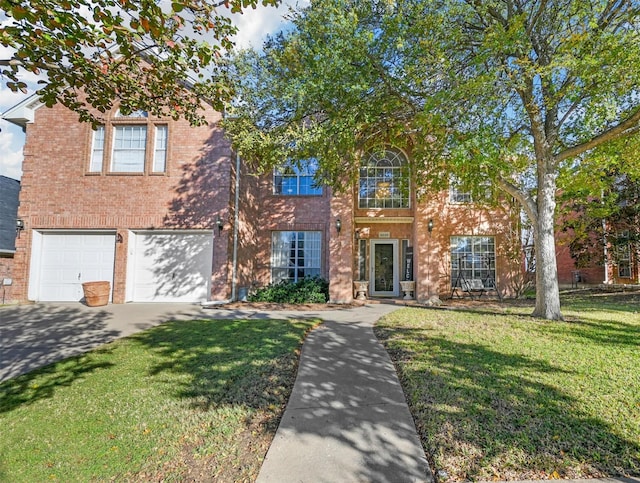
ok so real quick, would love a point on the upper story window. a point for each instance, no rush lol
(129, 149)
(459, 195)
(296, 179)
(456, 193)
(384, 181)
(130, 144)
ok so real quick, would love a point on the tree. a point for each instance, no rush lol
(145, 54)
(509, 91)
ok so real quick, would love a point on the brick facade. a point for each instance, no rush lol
(199, 188)
(59, 192)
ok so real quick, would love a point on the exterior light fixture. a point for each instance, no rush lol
(119, 238)
(219, 224)
(430, 226)
(19, 226)
(338, 225)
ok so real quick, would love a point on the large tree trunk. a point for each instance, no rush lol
(547, 292)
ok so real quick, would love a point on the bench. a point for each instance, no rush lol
(470, 286)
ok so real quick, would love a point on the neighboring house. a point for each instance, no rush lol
(602, 251)
(9, 191)
(168, 212)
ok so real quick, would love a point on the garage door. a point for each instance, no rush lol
(170, 267)
(68, 259)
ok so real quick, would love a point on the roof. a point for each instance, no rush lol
(9, 190)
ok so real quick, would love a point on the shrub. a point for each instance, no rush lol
(305, 291)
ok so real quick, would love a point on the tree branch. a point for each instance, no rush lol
(629, 124)
(527, 202)
(20, 63)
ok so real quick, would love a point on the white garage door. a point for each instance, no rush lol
(68, 259)
(170, 267)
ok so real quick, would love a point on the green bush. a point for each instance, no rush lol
(305, 291)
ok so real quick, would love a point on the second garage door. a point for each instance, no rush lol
(170, 267)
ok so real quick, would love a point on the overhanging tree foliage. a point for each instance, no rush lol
(503, 90)
(147, 55)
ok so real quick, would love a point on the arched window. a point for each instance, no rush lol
(384, 181)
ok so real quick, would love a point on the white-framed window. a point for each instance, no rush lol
(296, 179)
(624, 255)
(473, 257)
(129, 148)
(160, 151)
(97, 150)
(295, 255)
(456, 193)
(384, 181)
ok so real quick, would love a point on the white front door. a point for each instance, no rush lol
(170, 267)
(384, 268)
(66, 260)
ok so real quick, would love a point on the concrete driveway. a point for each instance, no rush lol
(32, 336)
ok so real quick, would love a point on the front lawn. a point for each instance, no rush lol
(505, 396)
(196, 400)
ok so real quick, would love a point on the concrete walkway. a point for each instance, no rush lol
(347, 419)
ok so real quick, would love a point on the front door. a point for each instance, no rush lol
(384, 268)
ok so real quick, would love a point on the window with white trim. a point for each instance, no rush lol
(624, 255)
(296, 179)
(97, 150)
(456, 193)
(160, 151)
(384, 181)
(473, 257)
(129, 148)
(295, 255)
(136, 146)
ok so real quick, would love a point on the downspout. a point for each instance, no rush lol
(604, 239)
(606, 252)
(236, 218)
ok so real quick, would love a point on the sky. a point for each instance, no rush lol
(253, 26)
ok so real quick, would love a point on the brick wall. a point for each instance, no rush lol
(58, 192)
(6, 272)
(262, 212)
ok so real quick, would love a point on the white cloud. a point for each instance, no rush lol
(255, 24)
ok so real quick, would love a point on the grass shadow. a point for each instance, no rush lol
(226, 361)
(488, 412)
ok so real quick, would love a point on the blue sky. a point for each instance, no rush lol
(253, 26)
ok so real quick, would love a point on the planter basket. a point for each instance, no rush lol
(96, 293)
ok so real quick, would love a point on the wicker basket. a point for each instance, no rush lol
(96, 293)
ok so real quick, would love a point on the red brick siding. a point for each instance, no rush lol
(57, 192)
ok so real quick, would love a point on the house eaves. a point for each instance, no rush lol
(23, 113)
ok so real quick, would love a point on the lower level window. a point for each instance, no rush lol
(624, 257)
(473, 257)
(295, 255)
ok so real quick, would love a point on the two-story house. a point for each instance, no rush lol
(168, 212)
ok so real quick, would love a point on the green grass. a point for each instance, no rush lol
(506, 396)
(193, 400)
